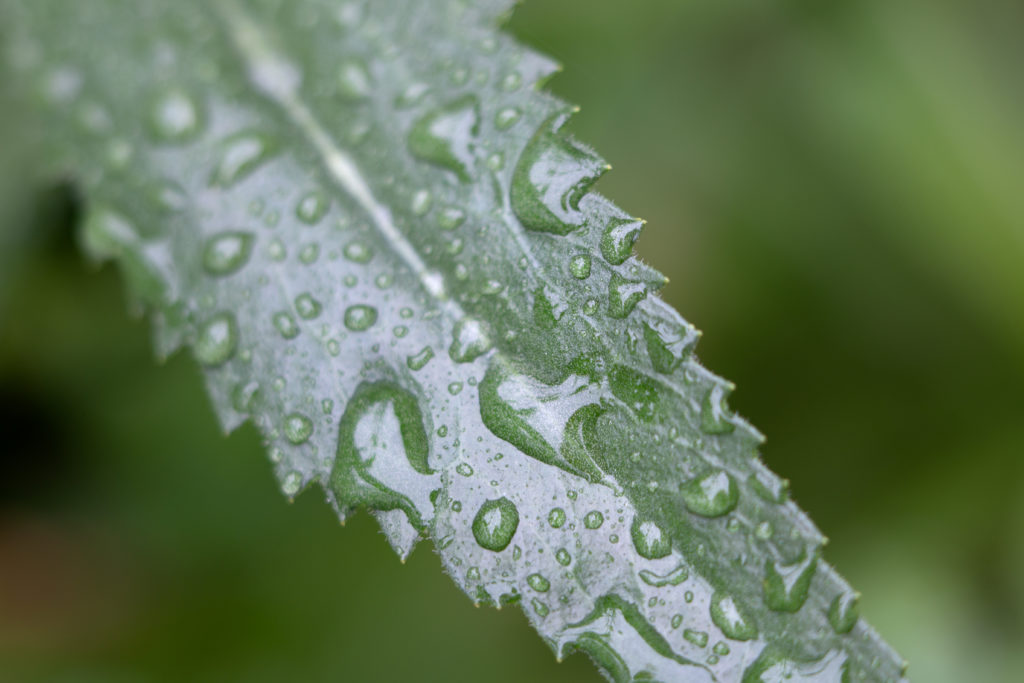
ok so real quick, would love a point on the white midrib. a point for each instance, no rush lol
(279, 79)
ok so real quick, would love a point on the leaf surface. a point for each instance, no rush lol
(365, 221)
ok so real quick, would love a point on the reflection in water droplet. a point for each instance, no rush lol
(649, 540)
(550, 178)
(712, 494)
(227, 252)
(298, 428)
(470, 340)
(495, 524)
(360, 317)
(217, 340)
(624, 295)
(241, 154)
(445, 136)
(728, 617)
(175, 117)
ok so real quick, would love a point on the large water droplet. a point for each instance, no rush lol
(618, 238)
(241, 154)
(471, 339)
(649, 540)
(227, 252)
(419, 359)
(217, 340)
(593, 519)
(786, 587)
(550, 178)
(445, 136)
(714, 417)
(624, 295)
(538, 583)
(360, 317)
(712, 494)
(298, 428)
(843, 612)
(175, 117)
(727, 615)
(669, 344)
(495, 524)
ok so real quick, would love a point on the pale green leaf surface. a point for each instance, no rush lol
(364, 221)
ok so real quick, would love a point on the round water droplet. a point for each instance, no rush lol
(358, 252)
(307, 307)
(556, 518)
(579, 266)
(540, 608)
(286, 325)
(312, 207)
(511, 81)
(217, 340)
(291, 484)
(728, 617)
(227, 252)
(563, 557)
(495, 524)
(471, 340)
(354, 81)
(593, 519)
(450, 218)
(677, 620)
(506, 118)
(360, 317)
(538, 583)
(445, 136)
(421, 202)
(720, 648)
(175, 117)
(649, 540)
(465, 469)
(245, 396)
(309, 253)
(298, 428)
(712, 494)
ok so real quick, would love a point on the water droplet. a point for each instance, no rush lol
(450, 218)
(445, 136)
(360, 317)
(593, 519)
(465, 469)
(309, 253)
(618, 238)
(217, 340)
(470, 341)
(400, 331)
(421, 202)
(556, 517)
(412, 95)
(728, 617)
(312, 207)
(669, 344)
(579, 266)
(511, 81)
(495, 524)
(538, 583)
(308, 307)
(714, 417)
(358, 252)
(624, 295)
(421, 358)
(540, 608)
(698, 638)
(786, 587)
(291, 484)
(769, 487)
(276, 251)
(245, 396)
(354, 81)
(843, 612)
(673, 578)
(720, 648)
(677, 620)
(175, 117)
(506, 118)
(241, 154)
(227, 252)
(298, 428)
(649, 540)
(712, 494)
(563, 557)
(473, 574)
(549, 180)
(455, 388)
(285, 324)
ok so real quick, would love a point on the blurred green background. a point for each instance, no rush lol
(836, 190)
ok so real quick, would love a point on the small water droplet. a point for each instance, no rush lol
(217, 340)
(579, 266)
(593, 519)
(412, 95)
(649, 540)
(241, 154)
(506, 118)
(511, 81)
(720, 648)
(673, 578)
(298, 428)
(445, 136)
(175, 117)
(421, 202)
(677, 620)
(764, 530)
(451, 217)
(309, 253)
(473, 574)
(786, 587)
(495, 524)
(358, 252)
(712, 494)
(285, 324)
(307, 307)
(245, 396)
(538, 583)
(540, 608)
(354, 82)
(465, 469)
(291, 484)
(312, 207)
(360, 317)
(563, 557)
(227, 252)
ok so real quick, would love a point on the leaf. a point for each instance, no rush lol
(365, 221)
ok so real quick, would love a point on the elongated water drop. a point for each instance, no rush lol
(445, 136)
(649, 540)
(420, 358)
(495, 524)
(241, 154)
(715, 412)
(286, 325)
(843, 612)
(712, 494)
(227, 252)
(734, 622)
(538, 583)
(175, 117)
(217, 340)
(312, 207)
(698, 638)
(673, 578)
(551, 177)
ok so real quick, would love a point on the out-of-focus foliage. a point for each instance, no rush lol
(845, 174)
